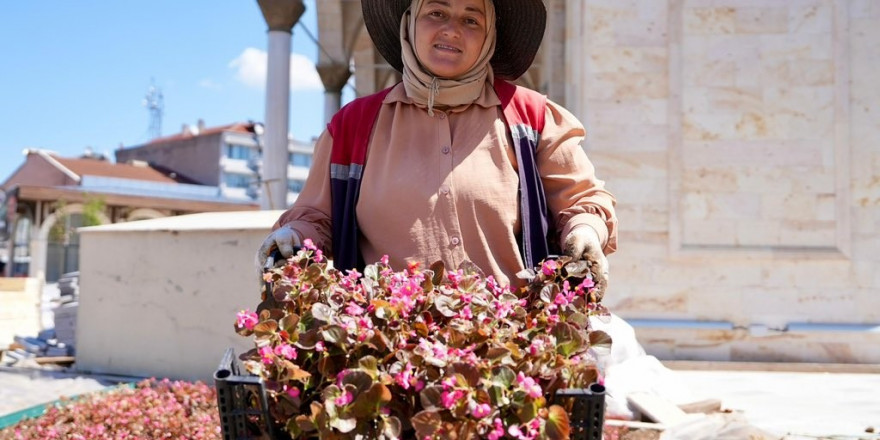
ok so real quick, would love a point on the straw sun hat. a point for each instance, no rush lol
(519, 25)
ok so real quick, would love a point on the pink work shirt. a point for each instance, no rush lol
(446, 187)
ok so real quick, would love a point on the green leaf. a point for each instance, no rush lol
(558, 426)
(335, 335)
(371, 272)
(344, 425)
(503, 376)
(322, 312)
(370, 365)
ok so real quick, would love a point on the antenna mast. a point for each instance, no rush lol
(153, 103)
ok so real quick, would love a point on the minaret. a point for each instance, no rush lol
(281, 16)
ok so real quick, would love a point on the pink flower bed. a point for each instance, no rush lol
(153, 409)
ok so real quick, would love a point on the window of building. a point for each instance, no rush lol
(295, 186)
(300, 160)
(237, 180)
(241, 152)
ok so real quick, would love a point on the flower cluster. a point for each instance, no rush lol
(423, 352)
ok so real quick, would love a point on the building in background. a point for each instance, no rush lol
(49, 196)
(741, 141)
(227, 157)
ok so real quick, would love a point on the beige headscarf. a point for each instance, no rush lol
(426, 89)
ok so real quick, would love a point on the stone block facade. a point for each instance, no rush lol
(741, 139)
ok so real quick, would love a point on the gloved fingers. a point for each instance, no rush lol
(264, 251)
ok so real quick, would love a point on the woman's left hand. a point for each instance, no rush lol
(583, 243)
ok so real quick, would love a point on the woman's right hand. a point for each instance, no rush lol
(284, 239)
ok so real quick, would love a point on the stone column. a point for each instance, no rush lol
(334, 76)
(281, 16)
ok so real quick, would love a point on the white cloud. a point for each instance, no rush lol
(250, 69)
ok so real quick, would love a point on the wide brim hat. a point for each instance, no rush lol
(519, 26)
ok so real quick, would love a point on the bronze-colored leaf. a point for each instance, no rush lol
(600, 341)
(577, 269)
(335, 335)
(439, 270)
(266, 328)
(391, 427)
(557, 426)
(431, 397)
(468, 371)
(426, 423)
(304, 423)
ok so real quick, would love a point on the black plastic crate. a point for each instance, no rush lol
(242, 403)
(244, 407)
(587, 415)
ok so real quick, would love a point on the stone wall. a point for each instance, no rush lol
(159, 297)
(741, 139)
(19, 308)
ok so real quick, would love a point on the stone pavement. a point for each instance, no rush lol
(792, 405)
(24, 387)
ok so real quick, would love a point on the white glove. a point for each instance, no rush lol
(583, 243)
(284, 239)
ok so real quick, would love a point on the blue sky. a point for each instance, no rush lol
(75, 73)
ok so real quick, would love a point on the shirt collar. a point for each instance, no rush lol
(486, 99)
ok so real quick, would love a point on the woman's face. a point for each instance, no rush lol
(450, 35)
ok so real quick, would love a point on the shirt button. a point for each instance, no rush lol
(444, 190)
(445, 149)
(455, 241)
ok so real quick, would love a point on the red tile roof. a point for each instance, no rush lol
(102, 168)
(240, 127)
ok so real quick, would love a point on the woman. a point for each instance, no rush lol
(434, 168)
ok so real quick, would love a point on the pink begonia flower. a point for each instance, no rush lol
(344, 399)
(587, 283)
(354, 309)
(528, 384)
(466, 313)
(384, 259)
(293, 392)
(498, 430)
(247, 319)
(405, 377)
(286, 351)
(320, 346)
(481, 410)
(449, 399)
(549, 267)
(309, 244)
(266, 354)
